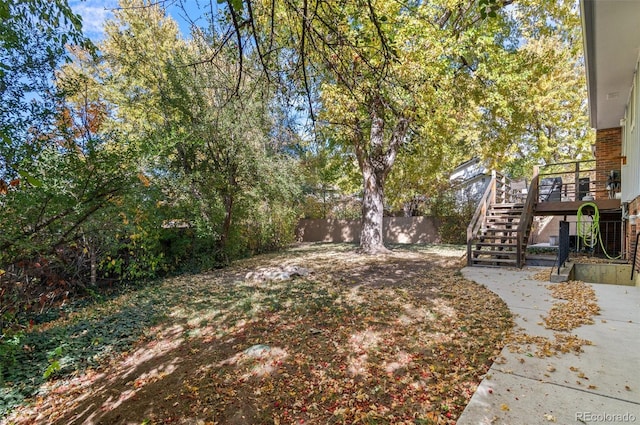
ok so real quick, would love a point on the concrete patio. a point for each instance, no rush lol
(600, 385)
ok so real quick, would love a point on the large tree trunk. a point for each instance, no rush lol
(371, 237)
(226, 224)
(375, 162)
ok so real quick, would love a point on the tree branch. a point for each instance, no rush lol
(303, 56)
(261, 56)
(237, 27)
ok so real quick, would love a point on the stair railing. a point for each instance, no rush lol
(488, 198)
(527, 218)
(503, 192)
(634, 263)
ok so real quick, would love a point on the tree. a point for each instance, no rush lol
(391, 82)
(537, 109)
(382, 72)
(211, 153)
(221, 149)
(436, 77)
(56, 186)
(529, 109)
(33, 36)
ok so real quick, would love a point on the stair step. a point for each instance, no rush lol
(490, 238)
(502, 219)
(505, 213)
(497, 261)
(494, 254)
(510, 211)
(502, 226)
(494, 230)
(495, 247)
(505, 210)
(508, 205)
(489, 244)
(514, 216)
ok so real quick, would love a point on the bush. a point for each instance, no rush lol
(454, 217)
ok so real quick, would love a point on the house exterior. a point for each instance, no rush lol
(469, 180)
(611, 33)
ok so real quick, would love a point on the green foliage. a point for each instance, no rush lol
(33, 36)
(220, 185)
(9, 347)
(146, 168)
(31, 357)
(535, 111)
(207, 140)
(54, 363)
(453, 215)
(489, 8)
(330, 175)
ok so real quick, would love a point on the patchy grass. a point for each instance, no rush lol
(401, 338)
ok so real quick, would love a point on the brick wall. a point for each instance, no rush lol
(608, 152)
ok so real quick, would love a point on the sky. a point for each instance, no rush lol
(95, 12)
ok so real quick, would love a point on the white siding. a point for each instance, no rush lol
(631, 144)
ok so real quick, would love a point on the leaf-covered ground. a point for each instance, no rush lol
(401, 338)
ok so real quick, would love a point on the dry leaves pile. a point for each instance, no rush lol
(545, 347)
(588, 259)
(400, 339)
(577, 308)
(580, 306)
(542, 276)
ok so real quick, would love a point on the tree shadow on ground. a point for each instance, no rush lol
(360, 331)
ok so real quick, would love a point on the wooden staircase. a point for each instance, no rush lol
(497, 242)
(499, 231)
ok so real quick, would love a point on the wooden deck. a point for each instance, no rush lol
(564, 187)
(571, 207)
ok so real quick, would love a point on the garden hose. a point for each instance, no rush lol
(589, 232)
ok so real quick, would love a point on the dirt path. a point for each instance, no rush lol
(396, 339)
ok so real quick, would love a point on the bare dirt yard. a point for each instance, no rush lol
(316, 335)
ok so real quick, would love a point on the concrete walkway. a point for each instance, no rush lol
(599, 386)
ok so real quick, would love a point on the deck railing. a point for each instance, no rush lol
(527, 218)
(579, 181)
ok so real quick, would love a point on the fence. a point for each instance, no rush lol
(405, 230)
